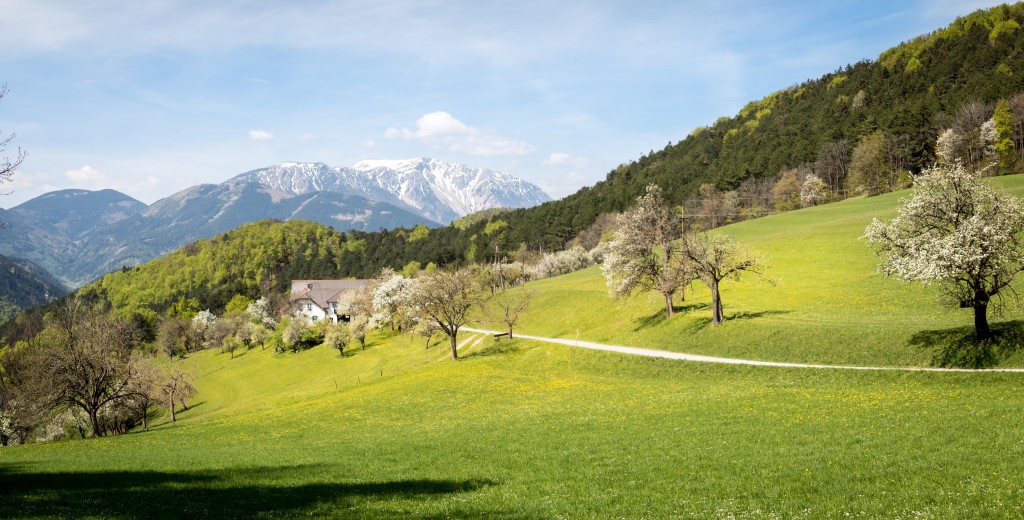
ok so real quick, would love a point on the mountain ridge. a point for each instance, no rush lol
(439, 190)
(79, 235)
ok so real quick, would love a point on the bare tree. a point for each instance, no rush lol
(146, 393)
(968, 140)
(21, 407)
(508, 306)
(711, 209)
(426, 329)
(176, 388)
(1017, 116)
(645, 254)
(88, 361)
(446, 298)
(716, 258)
(7, 164)
(831, 163)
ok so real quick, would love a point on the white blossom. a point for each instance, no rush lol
(389, 298)
(260, 311)
(203, 319)
(813, 191)
(955, 232)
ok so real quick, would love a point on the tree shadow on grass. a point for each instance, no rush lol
(957, 348)
(498, 348)
(235, 493)
(659, 317)
(746, 315)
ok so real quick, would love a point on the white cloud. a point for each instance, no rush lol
(89, 178)
(443, 129)
(438, 124)
(86, 175)
(564, 159)
(260, 135)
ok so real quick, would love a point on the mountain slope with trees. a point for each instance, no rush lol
(897, 104)
(24, 285)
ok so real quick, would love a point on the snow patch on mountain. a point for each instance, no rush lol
(438, 190)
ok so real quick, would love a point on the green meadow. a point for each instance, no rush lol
(820, 301)
(521, 429)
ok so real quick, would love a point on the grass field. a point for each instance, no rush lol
(518, 429)
(821, 300)
(522, 430)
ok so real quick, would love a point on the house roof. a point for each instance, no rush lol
(322, 292)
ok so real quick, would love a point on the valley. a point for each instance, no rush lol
(521, 429)
(425, 338)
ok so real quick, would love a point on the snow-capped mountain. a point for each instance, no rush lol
(438, 190)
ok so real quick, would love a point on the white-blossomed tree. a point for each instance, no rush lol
(960, 234)
(646, 254)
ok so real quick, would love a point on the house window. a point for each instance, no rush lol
(309, 306)
(309, 286)
(313, 318)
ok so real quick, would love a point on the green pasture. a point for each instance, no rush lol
(820, 301)
(520, 429)
(528, 430)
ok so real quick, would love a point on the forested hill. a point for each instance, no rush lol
(910, 92)
(25, 285)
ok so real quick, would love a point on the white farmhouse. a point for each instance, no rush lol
(318, 299)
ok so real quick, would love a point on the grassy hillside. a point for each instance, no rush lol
(540, 431)
(526, 430)
(827, 305)
(518, 429)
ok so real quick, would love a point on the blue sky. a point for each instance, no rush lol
(151, 97)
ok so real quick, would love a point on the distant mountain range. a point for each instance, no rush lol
(437, 190)
(79, 235)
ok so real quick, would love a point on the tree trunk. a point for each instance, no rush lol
(717, 316)
(510, 331)
(170, 406)
(455, 346)
(94, 421)
(981, 329)
(668, 305)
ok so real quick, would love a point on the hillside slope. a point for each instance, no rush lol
(517, 429)
(24, 285)
(821, 300)
(909, 93)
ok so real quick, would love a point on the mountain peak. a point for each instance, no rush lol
(392, 164)
(438, 190)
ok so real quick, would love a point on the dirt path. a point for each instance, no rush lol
(732, 361)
